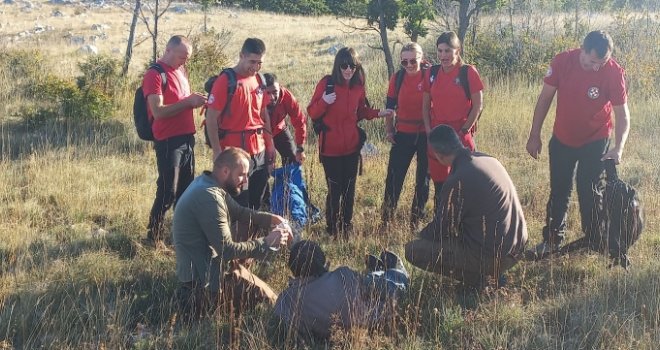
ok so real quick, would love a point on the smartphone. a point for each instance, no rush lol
(330, 88)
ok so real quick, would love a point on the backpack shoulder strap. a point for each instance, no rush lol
(434, 73)
(231, 88)
(463, 77)
(163, 75)
(399, 81)
(261, 79)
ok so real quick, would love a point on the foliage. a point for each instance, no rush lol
(59, 98)
(208, 54)
(415, 13)
(101, 72)
(299, 7)
(21, 64)
(388, 9)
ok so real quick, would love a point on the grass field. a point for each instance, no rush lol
(74, 201)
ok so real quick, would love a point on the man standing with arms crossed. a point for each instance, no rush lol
(590, 86)
(245, 124)
(170, 107)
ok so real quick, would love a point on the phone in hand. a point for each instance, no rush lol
(329, 88)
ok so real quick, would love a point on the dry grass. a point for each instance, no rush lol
(74, 200)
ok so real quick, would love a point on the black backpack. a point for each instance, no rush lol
(320, 127)
(463, 79)
(393, 102)
(620, 220)
(140, 113)
(231, 90)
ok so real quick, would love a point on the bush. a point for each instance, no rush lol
(208, 56)
(100, 72)
(58, 98)
(22, 64)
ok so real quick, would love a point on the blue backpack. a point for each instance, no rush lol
(289, 196)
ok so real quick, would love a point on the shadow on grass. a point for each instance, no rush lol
(90, 310)
(43, 252)
(19, 140)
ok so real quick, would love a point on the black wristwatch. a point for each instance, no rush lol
(300, 149)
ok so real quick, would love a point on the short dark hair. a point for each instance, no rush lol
(177, 40)
(444, 140)
(253, 46)
(307, 259)
(599, 41)
(230, 157)
(270, 79)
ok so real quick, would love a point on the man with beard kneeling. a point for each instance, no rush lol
(479, 229)
(202, 234)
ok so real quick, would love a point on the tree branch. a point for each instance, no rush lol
(354, 28)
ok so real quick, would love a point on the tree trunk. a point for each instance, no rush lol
(154, 37)
(463, 19)
(131, 38)
(206, 15)
(382, 27)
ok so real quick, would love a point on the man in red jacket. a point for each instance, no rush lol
(246, 123)
(170, 107)
(283, 103)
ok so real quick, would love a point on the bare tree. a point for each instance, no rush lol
(462, 13)
(131, 38)
(156, 12)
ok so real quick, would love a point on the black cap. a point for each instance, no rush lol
(307, 259)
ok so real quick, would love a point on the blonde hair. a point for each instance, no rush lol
(413, 47)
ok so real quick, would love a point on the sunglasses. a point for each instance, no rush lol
(345, 66)
(412, 62)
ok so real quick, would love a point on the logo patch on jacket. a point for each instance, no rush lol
(211, 99)
(593, 93)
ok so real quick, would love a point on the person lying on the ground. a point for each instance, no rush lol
(479, 229)
(317, 300)
(201, 227)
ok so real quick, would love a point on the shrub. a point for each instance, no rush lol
(208, 55)
(100, 72)
(57, 98)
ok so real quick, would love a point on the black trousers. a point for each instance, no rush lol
(563, 163)
(405, 147)
(285, 146)
(340, 176)
(175, 158)
(253, 196)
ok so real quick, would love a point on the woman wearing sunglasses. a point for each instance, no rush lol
(337, 105)
(407, 135)
(447, 101)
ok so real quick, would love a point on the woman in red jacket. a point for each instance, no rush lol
(338, 103)
(446, 101)
(407, 135)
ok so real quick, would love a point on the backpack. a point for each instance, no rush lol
(231, 90)
(620, 220)
(392, 102)
(465, 83)
(140, 112)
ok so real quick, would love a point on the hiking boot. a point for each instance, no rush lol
(545, 249)
(391, 260)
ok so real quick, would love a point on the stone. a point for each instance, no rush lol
(89, 49)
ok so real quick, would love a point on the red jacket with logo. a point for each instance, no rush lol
(340, 117)
(243, 123)
(288, 105)
(584, 98)
(177, 89)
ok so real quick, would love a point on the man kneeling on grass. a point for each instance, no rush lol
(201, 228)
(479, 230)
(318, 300)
